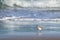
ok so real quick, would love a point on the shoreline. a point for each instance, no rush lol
(32, 38)
(47, 36)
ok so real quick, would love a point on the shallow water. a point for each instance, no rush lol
(7, 27)
(11, 27)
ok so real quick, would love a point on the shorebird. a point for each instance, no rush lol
(39, 28)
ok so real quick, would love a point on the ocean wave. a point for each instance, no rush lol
(32, 3)
(28, 20)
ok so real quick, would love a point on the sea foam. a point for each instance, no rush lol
(32, 3)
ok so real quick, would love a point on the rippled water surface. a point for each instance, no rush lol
(11, 27)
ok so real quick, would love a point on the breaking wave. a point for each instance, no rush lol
(32, 3)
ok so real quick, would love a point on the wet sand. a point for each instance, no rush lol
(34, 37)
(31, 38)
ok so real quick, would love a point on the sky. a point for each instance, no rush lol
(34, 3)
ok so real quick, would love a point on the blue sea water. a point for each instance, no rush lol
(30, 13)
(22, 27)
